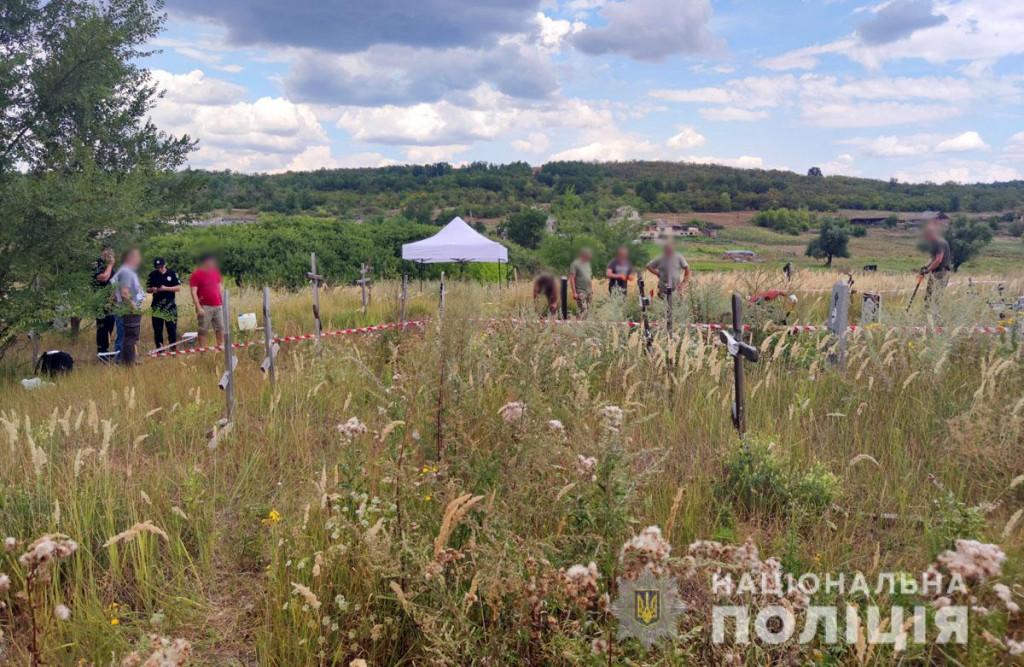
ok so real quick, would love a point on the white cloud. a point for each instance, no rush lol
(536, 142)
(962, 143)
(687, 138)
(262, 135)
(432, 154)
(742, 162)
(842, 165)
(830, 101)
(1015, 145)
(553, 32)
(960, 172)
(611, 146)
(484, 116)
(195, 88)
(974, 30)
(320, 157)
(917, 144)
(726, 114)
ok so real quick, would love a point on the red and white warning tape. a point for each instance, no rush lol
(291, 339)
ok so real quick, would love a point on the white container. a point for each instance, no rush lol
(247, 322)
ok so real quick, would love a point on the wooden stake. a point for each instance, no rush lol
(565, 298)
(403, 295)
(362, 285)
(268, 341)
(228, 379)
(645, 303)
(440, 306)
(315, 279)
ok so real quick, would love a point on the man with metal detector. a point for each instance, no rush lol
(673, 273)
(941, 263)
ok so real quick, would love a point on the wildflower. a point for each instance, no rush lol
(555, 425)
(115, 621)
(1004, 593)
(273, 517)
(41, 554)
(1014, 647)
(586, 467)
(9, 544)
(358, 662)
(161, 652)
(308, 596)
(428, 498)
(352, 428)
(5, 583)
(973, 560)
(512, 412)
(62, 612)
(648, 550)
(611, 418)
(599, 647)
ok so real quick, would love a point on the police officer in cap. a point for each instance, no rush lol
(164, 285)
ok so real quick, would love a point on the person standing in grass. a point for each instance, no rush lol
(672, 270)
(164, 285)
(619, 272)
(107, 322)
(129, 296)
(544, 286)
(581, 282)
(205, 285)
(941, 263)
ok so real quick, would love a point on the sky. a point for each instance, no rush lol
(918, 90)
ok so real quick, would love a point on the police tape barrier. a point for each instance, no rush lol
(291, 339)
(701, 326)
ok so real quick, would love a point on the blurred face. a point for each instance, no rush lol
(210, 263)
(107, 255)
(622, 254)
(585, 254)
(931, 232)
(133, 259)
(668, 250)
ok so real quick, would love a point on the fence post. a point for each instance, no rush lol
(440, 306)
(402, 296)
(565, 298)
(645, 303)
(668, 310)
(227, 381)
(362, 284)
(315, 279)
(268, 341)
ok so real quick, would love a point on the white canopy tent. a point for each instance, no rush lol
(457, 242)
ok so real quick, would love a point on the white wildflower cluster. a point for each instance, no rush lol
(512, 412)
(556, 425)
(352, 428)
(611, 418)
(581, 580)
(1004, 593)
(586, 467)
(43, 552)
(5, 584)
(646, 551)
(10, 544)
(1014, 647)
(974, 561)
(161, 652)
(760, 578)
(61, 612)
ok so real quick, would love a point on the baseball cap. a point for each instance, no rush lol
(158, 262)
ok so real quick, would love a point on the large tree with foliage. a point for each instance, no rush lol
(832, 241)
(526, 227)
(966, 238)
(81, 164)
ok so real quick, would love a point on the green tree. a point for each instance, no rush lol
(832, 241)
(79, 159)
(526, 227)
(815, 172)
(966, 238)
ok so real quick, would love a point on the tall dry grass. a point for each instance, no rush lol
(294, 542)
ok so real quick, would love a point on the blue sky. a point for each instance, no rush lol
(919, 90)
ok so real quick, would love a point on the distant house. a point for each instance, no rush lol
(710, 233)
(662, 230)
(912, 219)
(740, 255)
(625, 214)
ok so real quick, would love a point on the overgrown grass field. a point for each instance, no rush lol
(422, 497)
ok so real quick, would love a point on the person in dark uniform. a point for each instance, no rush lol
(164, 285)
(619, 272)
(941, 263)
(105, 323)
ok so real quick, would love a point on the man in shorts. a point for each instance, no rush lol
(205, 285)
(672, 270)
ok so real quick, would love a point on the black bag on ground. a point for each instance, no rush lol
(55, 362)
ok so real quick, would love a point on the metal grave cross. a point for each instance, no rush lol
(315, 279)
(739, 351)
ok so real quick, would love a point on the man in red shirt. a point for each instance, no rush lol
(205, 284)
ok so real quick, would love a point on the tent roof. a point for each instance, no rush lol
(457, 242)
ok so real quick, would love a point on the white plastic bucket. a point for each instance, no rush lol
(247, 322)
